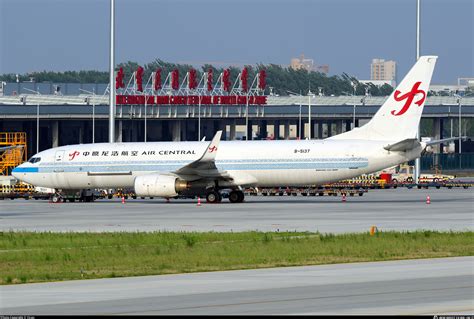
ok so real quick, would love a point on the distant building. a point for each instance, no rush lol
(308, 65)
(302, 63)
(381, 70)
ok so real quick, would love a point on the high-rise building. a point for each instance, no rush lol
(302, 63)
(381, 70)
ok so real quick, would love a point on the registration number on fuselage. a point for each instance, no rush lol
(302, 150)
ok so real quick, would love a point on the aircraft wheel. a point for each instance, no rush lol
(213, 197)
(234, 197)
(56, 199)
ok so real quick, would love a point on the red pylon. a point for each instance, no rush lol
(428, 199)
(123, 199)
(199, 201)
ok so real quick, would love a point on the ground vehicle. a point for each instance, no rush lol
(403, 173)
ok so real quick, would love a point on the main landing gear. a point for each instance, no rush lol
(213, 197)
(57, 198)
(235, 196)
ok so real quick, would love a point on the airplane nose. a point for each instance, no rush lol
(15, 172)
(18, 172)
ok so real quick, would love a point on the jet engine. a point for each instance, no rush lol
(159, 185)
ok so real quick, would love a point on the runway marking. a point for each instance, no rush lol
(298, 299)
(438, 310)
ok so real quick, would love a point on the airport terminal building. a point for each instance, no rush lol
(76, 114)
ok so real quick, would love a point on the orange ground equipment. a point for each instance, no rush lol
(12, 151)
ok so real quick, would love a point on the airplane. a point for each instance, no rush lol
(172, 169)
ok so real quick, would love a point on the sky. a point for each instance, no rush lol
(60, 35)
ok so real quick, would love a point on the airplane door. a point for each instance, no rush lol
(58, 175)
(59, 156)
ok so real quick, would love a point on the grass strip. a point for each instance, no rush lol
(27, 257)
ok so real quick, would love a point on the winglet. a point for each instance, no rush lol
(211, 151)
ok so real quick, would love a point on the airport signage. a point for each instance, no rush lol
(190, 100)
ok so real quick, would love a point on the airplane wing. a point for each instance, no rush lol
(205, 166)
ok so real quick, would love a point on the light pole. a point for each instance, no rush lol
(460, 131)
(309, 114)
(247, 119)
(145, 113)
(451, 121)
(112, 74)
(299, 117)
(37, 126)
(354, 117)
(354, 85)
(93, 115)
(299, 121)
(93, 112)
(417, 160)
(199, 117)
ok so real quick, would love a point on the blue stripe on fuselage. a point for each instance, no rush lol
(261, 164)
(25, 170)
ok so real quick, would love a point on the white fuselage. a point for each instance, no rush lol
(249, 163)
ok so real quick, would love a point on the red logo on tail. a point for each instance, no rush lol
(409, 97)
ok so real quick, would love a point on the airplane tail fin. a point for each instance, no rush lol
(398, 118)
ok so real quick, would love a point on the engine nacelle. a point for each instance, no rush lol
(159, 185)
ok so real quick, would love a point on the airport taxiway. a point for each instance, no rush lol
(424, 286)
(394, 209)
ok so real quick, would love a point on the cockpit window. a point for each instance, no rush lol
(34, 160)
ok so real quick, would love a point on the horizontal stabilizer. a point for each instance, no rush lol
(445, 140)
(403, 146)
